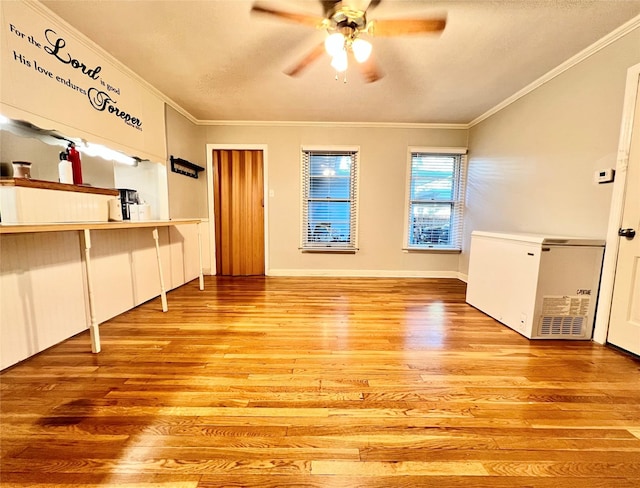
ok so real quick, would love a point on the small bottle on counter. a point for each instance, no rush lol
(65, 169)
(74, 156)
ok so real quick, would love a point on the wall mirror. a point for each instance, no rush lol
(22, 141)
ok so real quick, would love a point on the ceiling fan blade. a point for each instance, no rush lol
(373, 4)
(329, 5)
(370, 71)
(400, 27)
(304, 19)
(311, 56)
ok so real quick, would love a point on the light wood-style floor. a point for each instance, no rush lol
(283, 382)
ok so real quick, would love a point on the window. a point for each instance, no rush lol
(329, 199)
(435, 198)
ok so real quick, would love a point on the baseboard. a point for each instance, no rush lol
(363, 273)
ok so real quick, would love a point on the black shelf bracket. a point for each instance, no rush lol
(184, 167)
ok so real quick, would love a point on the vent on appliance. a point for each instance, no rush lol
(564, 326)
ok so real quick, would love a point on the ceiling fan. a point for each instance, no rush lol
(345, 23)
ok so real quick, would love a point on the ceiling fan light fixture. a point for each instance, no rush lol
(339, 61)
(345, 21)
(334, 43)
(361, 50)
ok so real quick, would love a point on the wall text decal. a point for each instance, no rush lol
(101, 98)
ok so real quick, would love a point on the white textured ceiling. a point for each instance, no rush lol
(219, 62)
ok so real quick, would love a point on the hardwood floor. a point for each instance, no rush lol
(282, 382)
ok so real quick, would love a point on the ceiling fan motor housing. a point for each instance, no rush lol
(348, 21)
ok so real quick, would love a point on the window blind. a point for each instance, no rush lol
(329, 203)
(436, 200)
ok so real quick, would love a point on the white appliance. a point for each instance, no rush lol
(544, 287)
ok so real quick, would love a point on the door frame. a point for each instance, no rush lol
(210, 199)
(607, 281)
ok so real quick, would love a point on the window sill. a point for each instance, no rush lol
(338, 250)
(431, 249)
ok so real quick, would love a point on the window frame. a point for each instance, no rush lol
(306, 245)
(457, 202)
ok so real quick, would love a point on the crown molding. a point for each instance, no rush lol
(310, 123)
(99, 51)
(589, 51)
(613, 36)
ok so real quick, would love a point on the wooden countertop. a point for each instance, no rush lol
(53, 185)
(127, 224)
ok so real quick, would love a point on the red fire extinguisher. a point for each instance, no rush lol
(74, 156)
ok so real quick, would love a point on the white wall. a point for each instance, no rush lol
(185, 140)
(66, 99)
(383, 161)
(149, 179)
(532, 164)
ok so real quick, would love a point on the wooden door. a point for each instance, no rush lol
(239, 212)
(624, 323)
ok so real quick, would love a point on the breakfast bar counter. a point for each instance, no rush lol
(57, 278)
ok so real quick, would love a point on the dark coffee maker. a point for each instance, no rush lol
(127, 198)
